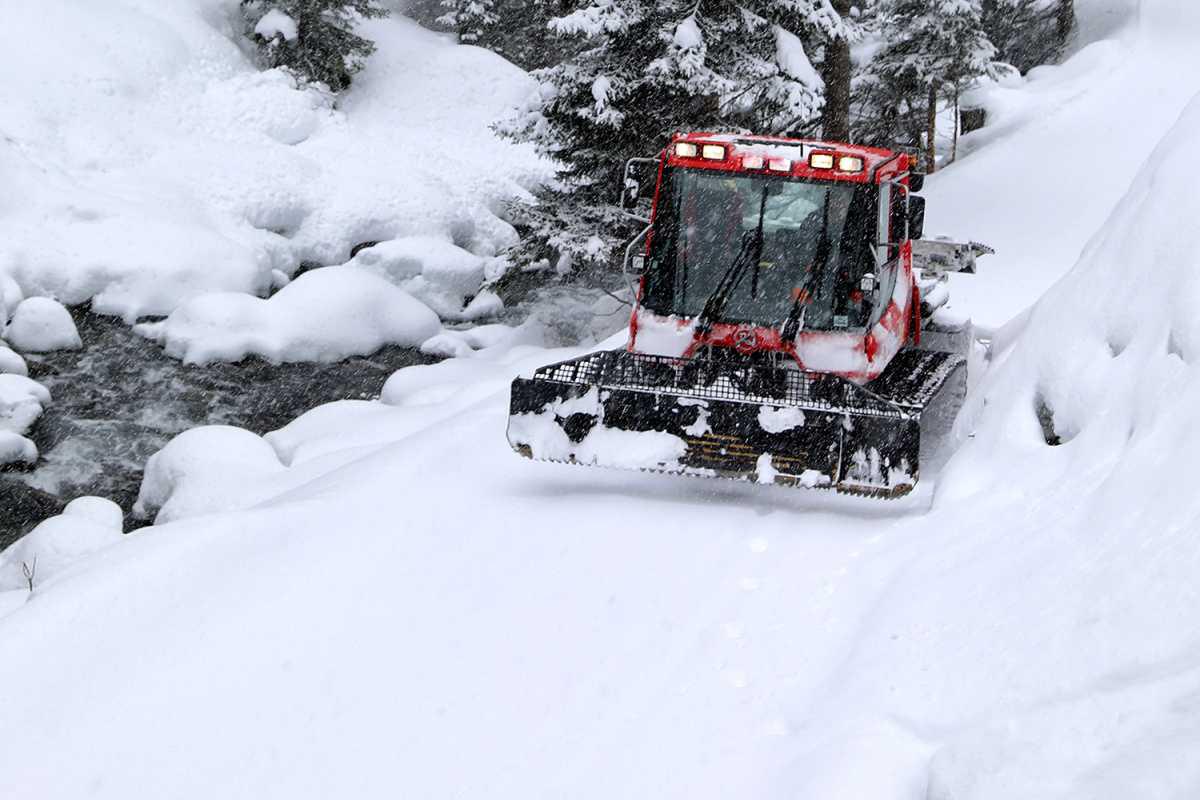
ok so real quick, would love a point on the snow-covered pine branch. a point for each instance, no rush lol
(315, 39)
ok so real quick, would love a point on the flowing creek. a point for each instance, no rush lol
(120, 399)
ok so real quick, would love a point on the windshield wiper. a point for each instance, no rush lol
(795, 317)
(750, 252)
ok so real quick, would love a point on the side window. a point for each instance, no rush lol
(891, 232)
(897, 223)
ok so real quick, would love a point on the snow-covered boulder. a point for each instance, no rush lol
(324, 315)
(58, 542)
(16, 449)
(11, 363)
(434, 270)
(40, 325)
(22, 402)
(203, 470)
(100, 510)
(10, 297)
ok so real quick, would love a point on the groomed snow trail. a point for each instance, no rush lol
(406, 609)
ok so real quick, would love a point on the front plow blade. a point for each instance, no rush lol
(772, 425)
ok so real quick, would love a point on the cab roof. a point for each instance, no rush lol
(876, 163)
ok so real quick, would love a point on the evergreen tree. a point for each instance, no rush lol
(1027, 33)
(837, 69)
(933, 49)
(642, 71)
(315, 39)
(516, 29)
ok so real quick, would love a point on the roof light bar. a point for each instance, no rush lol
(686, 150)
(713, 152)
(821, 160)
(850, 164)
(780, 165)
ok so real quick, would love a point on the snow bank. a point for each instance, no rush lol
(1061, 577)
(87, 524)
(1060, 149)
(40, 325)
(157, 163)
(324, 315)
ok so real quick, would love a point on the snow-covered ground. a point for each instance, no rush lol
(147, 161)
(381, 600)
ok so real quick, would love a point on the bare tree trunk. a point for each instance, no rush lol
(836, 71)
(1065, 18)
(931, 130)
(954, 141)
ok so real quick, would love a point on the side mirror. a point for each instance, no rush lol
(636, 171)
(916, 217)
(629, 195)
(916, 181)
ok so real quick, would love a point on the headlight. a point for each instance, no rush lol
(850, 164)
(780, 165)
(713, 152)
(686, 150)
(821, 160)
(753, 162)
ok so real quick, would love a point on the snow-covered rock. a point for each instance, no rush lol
(434, 270)
(40, 325)
(11, 363)
(22, 401)
(16, 449)
(203, 470)
(324, 315)
(100, 510)
(55, 544)
(10, 297)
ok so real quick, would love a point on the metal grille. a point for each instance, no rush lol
(717, 380)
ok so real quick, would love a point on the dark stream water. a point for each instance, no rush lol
(120, 399)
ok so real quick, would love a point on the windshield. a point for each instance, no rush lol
(817, 242)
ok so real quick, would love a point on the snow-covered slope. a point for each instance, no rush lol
(146, 159)
(407, 609)
(1073, 138)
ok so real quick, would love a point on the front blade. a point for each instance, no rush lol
(589, 411)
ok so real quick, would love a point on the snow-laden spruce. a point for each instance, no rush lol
(638, 71)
